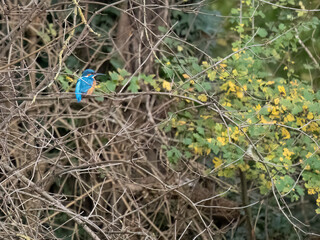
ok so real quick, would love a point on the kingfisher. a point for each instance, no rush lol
(86, 83)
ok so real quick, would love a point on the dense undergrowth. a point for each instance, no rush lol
(205, 125)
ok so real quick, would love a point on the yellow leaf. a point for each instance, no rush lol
(287, 153)
(222, 42)
(309, 155)
(217, 162)
(310, 115)
(314, 127)
(69, 79)
(285, 133)
(301, 5)
(185, 76)
(311, 191)
(203, 98)
(294, 83)
(257, 108)
(265, 121)
(223, 65)
(290, 117)
(275, 112)
(270, 82)
(244, 87)
(198, 150)
(244, 167)
(300, 121)
(222, 140)
(208, 150)
(235, 72)
(180, 123)
(282, 90)
(269, 184)
(224, 75)
(166, 85)
(212, 75)
(205, 116)
(227, 104)
(232, 86)
(180, 49)
(239, 94)
(235, 134)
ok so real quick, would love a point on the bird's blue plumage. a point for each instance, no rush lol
(88, 71)
(85, 83)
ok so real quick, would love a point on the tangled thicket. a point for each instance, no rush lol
(97, 168)
(110, 167)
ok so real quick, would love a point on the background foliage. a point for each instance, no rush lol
(205, 125)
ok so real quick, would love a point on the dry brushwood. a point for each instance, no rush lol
(96, 169)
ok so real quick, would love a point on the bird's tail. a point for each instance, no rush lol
(78, 92)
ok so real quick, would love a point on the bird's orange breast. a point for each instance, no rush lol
(90, 91)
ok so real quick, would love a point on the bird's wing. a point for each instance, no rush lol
(86, 83)
(78, 90)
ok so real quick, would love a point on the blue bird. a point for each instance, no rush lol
(86, 83)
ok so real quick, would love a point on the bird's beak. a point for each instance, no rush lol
(97, 74)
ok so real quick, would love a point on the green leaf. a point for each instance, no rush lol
(114, 76)
(173, 155)
(110, 86)
(308, 66)
(264, 111)
(200, 130)
(297, 109)
(45, 37)
(215, 148)
(51, 30)
(134, 85)
(187, 114)
(68, 71)
(149, 79)
(262, 32)
(124, 72)
(64, 83)
(308, 95)
(187, 154)
(162, 29)
(187, 141)
(286, 102)
(99, 99)
(282, 27)
(234, 11)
